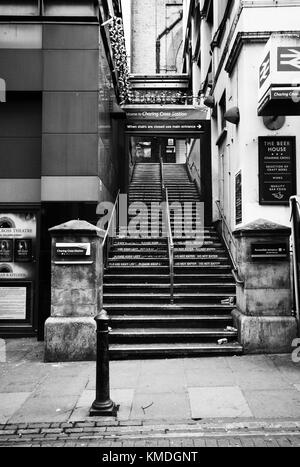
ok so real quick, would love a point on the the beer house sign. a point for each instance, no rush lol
(277, 169)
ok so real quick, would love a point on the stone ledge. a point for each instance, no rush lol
(70, 339)
(265, 334)
(261, 228)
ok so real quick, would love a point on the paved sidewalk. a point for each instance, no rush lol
(204, 401)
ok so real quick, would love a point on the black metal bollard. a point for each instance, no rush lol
(103, 406)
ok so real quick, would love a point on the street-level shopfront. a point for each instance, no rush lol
(19, 232)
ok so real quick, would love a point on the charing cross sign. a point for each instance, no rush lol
(288, 58)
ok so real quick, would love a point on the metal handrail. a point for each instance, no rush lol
(170, 244)
(162, 176)
(295, 219)
(108, 237)
(165, 197)
(235, 271)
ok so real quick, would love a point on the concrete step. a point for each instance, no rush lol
(156, 278)
(170, 350)
(180, 269)
(176, 310)
(161, 297)
(164, 335)
(154, 321)
(153, 288)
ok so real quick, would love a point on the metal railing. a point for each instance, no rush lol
(295, 219)
(170, 244)
(111, 231)
(230, 244)
(167, 214)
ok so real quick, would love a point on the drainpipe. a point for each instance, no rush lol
(159, 38)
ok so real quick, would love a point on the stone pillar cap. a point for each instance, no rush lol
(261, 227)
(78, 226)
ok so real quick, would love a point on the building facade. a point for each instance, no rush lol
(243, 62)
(155, 36)
(58, 154)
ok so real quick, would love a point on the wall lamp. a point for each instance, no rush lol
(209, 101)
(232, 115)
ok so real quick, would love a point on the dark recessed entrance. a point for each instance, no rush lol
(186, 142)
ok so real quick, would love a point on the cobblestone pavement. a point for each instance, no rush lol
(115, 434)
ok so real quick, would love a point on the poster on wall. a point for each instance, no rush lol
(18, 233)
(277, 169)
(13, 303)
(238, 199)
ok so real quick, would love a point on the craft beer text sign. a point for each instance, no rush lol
(277, 169)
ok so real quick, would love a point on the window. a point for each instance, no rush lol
(222, 107)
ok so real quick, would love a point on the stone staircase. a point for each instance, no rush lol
(145, 324)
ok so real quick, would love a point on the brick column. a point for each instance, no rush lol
(264, 307)
(76, 292)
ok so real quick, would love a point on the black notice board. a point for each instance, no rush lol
(262, 251)
(238, 199)
(277, 169)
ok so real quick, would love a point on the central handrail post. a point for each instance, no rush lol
(165, 197)
(170, 245)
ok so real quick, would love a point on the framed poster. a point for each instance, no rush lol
(19, 270)
(18, 236)
(277, 169)
(15, 301)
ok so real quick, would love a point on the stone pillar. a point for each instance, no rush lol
(76, 292)
(264, 305)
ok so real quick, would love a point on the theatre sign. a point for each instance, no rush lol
(279, 76)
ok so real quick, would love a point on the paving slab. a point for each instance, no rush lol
(251, 363)
(122, 397)
(24, 349)
(261, 380)
(21, 377)
(207, 363)
(216, 402)
(161, 376)
(207, 377)
(70, 385)
(160, 406)
(55, 408)
(288, 369)
(274, 403)
(10, 403)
